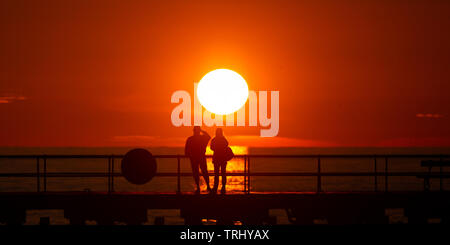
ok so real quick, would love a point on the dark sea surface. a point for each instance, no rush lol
(235, 183)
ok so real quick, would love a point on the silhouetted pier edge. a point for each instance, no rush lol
(249, 207)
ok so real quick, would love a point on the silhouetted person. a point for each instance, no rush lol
(219, 145)
(195, 149)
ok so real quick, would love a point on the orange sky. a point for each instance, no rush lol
(101, 73)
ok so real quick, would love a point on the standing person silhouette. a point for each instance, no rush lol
(195, 149)
(219, 145)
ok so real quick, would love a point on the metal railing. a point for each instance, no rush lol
(111, 174)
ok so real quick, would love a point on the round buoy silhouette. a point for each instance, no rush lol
(138, 166)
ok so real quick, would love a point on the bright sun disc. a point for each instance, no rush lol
(222, 91)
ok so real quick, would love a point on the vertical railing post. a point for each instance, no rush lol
(248, 177)
(245, 173)
(440, 175)
(375, 171)
(45, 173)
(386, 174)
(109, 175)
(112, 173)
(38, 175)
(178, 174)
(319, 176)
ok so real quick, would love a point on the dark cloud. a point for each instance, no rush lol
(9, 99)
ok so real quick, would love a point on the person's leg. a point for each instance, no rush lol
(224, 175)
(216, 176)
(194, 165)
(205, 174)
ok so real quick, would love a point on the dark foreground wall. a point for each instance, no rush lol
(302, 208)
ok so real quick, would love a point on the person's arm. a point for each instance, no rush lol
(206, 135)
(213, 145)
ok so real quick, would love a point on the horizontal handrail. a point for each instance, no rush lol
(261, 174)
(174, 156)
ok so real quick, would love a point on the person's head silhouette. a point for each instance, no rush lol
(219, 132)
(197, 130)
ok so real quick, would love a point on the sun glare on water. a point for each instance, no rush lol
(236, 165)
(222, 91)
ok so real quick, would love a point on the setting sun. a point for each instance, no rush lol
(222, 91)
